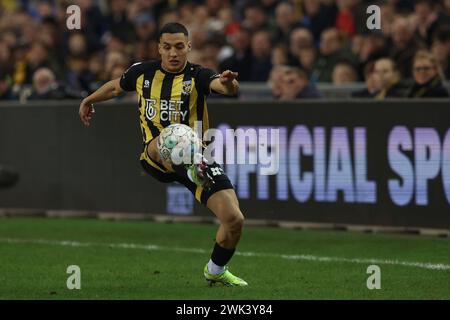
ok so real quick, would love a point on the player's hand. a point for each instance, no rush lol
(86, 112)
(227, 76)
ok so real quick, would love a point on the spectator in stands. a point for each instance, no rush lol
(230, 25)
(269, 7)
(344, 73)
(373, 46)
(345, 19)
(118, 22)
(199, 27)
(295, 85)
(77, 44)
(427, 77)
(404, 45)
(202, 18)
(49, 35)
(300, 38)
(145, 50)
(210, 53)
(307, 59)
(357, 43)
(285, 21)
(20, 73)
(372, 80)
(427, 19)
(390, 79)
(241, 58)
(38, 57)
(441, 48)
(317, 17)
(186, 13)
(276, 80)
(388, 14)
(93, 22)
(45, 87)
(145, 27)
(279, 55)
(331, 52)
(261, 59)
(78, 76)
(255, 17)
(114, 59)
(114, 43)
(214, 7)
(117, 71)
(98, 71)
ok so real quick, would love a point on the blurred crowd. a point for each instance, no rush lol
(291, 45)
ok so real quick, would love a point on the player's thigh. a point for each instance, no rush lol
(152, 151)
(225, 206)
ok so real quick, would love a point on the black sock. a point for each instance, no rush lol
(220, 255)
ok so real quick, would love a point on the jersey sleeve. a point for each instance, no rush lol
(205, 76)
(129, 77)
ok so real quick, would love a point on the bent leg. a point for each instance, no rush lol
(225, 206)
(152, 152)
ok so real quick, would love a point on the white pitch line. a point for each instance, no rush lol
(152, 247)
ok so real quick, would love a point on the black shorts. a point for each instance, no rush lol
(157, 171)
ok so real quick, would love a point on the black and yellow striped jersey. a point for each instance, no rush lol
(166, 98)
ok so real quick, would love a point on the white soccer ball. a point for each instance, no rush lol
(178, 143)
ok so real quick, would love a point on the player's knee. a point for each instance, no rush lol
(235, 222)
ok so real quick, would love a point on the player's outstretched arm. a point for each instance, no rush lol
(226, 84)
(109, 90)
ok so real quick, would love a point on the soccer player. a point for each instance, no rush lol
(173, 90)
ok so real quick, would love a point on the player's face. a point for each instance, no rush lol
(173, 48)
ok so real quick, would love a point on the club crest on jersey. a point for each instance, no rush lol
(150, 110)
(146, 84)
(187, 87)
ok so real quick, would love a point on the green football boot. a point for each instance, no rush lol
(226, 278)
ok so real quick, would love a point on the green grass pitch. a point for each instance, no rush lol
(144, 260)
